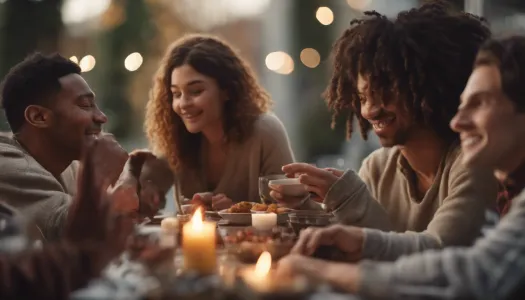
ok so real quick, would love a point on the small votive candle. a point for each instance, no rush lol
(168, 233)
(264, 221)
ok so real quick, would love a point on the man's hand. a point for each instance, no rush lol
(316, 180)
(109, 159)
(347, 239)
(91, 221)
(341, 275)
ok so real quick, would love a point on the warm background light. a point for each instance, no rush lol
(74, 59)
(87, 63)
(133, 61)
(280, 62)
(359, 5)
(310, 57)
(324, 15)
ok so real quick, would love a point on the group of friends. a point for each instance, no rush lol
(443, 96)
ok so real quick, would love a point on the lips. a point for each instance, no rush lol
(191, 116)
(380, 125)
(470, 141)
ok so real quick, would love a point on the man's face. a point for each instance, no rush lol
(76, 117)
(391, 122)
(488, 123)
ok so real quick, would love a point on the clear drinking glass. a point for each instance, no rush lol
(264, 189)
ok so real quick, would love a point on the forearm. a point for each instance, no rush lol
(389, 246)
(352, 203)
(492, 269)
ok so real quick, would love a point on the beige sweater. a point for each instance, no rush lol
(263, 153)
(451, 213)
(27, 186)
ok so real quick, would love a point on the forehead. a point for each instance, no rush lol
(185, 75)
(485, 78)
(73, 86)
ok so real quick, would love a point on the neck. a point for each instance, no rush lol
(214, 134)
(514, 168)
(48, 155)
(424, 154)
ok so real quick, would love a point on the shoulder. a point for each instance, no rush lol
(268, 126)
(382, 158)
(12, 155)
(16, 162)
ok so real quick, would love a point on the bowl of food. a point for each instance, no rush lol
(248, 243)
(241, 213)
(301, 219)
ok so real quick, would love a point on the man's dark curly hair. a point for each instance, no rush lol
(33, 81)
(423, 57)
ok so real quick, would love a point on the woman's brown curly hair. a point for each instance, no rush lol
(211, 57)
(424, 58)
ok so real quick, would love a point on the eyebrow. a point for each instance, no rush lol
(196, 81)
(86, 95)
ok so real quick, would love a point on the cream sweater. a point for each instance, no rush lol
(263, 153)
(382, 196)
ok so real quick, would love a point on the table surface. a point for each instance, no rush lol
(126, 279)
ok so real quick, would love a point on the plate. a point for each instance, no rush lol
(246, 218)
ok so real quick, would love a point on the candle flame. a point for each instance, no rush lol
(264, 264)
(196, 220)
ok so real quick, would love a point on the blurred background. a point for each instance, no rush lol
(118, 44)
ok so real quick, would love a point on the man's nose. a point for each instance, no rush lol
(370, 109)
(459, 122)
(100, 117)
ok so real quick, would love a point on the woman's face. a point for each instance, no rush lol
(197, 99)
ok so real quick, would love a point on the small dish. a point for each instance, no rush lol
(289, 186)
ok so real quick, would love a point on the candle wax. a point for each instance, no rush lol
(198, 245)
(264, 221)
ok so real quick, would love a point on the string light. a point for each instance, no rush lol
(310, 57)
(133, 61)
(324, 15)
(87, 63)
(280, 62)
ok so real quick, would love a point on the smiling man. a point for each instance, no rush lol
(53, 115)
(402, 78)
(491, 123)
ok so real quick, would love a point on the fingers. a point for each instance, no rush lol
(311, 238)
(287, 201)
(220, 202)
(335, 172)
(301, 168)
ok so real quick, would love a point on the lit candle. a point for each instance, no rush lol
(198, 245)
(264, 221)
(257, 278)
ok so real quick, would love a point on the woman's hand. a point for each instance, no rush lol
(220, 202)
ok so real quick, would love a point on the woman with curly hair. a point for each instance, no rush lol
(403, 78)
(210, 119)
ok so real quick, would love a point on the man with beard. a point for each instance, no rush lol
(491, 123)
(402, 78)
(53, 115)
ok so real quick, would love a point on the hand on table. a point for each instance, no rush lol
(341, 275)
(347, 239)
(220, 202)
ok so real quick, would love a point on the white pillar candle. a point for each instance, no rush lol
(264, 221)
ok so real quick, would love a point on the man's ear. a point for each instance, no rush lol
(38, 116)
